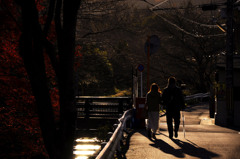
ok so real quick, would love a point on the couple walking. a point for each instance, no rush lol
(172, 99)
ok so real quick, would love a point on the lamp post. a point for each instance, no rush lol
(229, 63)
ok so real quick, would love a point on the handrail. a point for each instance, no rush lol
(114, 142)
(198, 95)
(101, 97)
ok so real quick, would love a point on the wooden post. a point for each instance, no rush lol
(120, 107)
(87, 109)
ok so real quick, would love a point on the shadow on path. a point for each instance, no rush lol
(166, 148)
(125, 145)
(188, 148)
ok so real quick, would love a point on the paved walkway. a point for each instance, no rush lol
(202, 140)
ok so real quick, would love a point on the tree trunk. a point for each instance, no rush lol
(66, 80)
(31, 50)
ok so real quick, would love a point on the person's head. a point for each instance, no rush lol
(154, 88)
(171, 80)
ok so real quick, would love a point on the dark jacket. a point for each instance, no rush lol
(173, 98)
(153, 101)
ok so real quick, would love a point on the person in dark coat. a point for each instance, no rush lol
(153, 101)
(173, 100)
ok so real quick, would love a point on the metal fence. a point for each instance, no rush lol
(102, 107)
(113, 144)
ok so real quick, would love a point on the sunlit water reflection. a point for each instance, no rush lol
(86, 148)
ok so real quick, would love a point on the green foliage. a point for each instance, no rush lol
(122, 93)
(121, 66)
(103, 131)
(95, 72)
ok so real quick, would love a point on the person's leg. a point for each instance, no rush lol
(169, 124)
(149, 125)
(176, 122)
(155, 123)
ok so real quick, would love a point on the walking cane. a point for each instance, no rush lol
(183, 123)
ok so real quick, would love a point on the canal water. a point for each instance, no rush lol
(90, 136)
(86, 148)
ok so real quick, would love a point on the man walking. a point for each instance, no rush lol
(173, 100)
